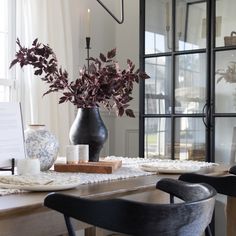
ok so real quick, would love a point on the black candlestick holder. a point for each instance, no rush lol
(88, 48)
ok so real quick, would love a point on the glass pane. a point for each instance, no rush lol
(225, 22)
(158, 29)
(225, 140)
(190, 83)
(157, 138)
(157, 87)
(190, 24)
(189, 139)
(225, 82)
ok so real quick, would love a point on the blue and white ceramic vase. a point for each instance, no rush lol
(41, 144)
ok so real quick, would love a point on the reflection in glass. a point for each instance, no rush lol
(225, 140)
(190, 83)
(158, 27)
(157, 87)
(190, 24)
(225, 21)
(189, 139)
(225, 82)
(157, 138)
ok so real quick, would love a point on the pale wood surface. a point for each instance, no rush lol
(105, 167)
(24, 214)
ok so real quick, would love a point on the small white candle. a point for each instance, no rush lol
(72, 154)
(88, 25)
(83, 150)
(167, 14)
(28, 166)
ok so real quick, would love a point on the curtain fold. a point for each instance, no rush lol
(50, 22)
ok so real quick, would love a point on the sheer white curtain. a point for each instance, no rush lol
(50, 22)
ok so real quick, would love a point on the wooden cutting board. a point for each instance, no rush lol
(102, 167)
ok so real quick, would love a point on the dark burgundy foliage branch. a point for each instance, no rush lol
(102, 83)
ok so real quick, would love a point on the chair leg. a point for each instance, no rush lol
(69, 226)
(171, 198)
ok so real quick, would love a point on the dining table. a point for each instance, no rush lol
(23, 213)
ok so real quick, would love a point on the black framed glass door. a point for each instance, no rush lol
(173, 99)
(188, 106)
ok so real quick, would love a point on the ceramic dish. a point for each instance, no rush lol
(41, 182)
(170, 169)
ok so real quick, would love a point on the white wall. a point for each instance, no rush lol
(127, 44)
(102, 31)
(107, 34)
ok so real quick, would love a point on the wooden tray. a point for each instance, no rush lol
(103, 167)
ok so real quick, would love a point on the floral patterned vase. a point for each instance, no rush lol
(41, 144)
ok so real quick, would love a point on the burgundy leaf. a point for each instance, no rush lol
(38, 72)
(121, 111)
(62, 99)
(102, 83)
(111, 54)
(102, 57)
(92, 59)
(129, 62)
(50, 91)
(19, 44)
(132, 68)
(35, 42)
(129, 113)
(143, 75)
(68, 94)
(51, 61)
(137, 71)
(13, 63)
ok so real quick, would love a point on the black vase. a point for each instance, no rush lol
(88, 128)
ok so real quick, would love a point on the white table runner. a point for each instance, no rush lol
(131, 167)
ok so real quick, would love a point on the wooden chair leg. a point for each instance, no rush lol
(94, 231)
(90, 231)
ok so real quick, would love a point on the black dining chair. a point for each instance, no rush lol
(225, 185)
(189, 217)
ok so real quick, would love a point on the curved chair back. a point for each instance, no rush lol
(222, 184)
(190, 217)
(225, 185)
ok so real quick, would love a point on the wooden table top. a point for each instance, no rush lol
(25, 203)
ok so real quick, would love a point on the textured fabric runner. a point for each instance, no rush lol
(131, 167)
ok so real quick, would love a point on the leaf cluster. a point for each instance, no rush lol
(102, 83)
